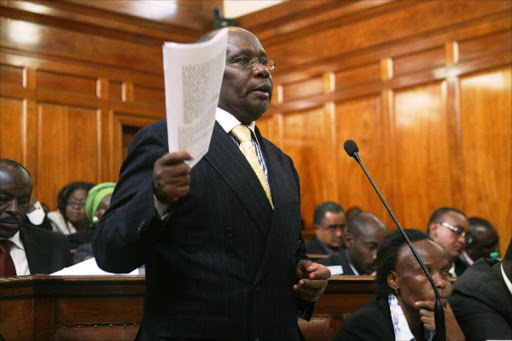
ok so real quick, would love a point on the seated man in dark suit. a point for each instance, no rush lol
(482, 299)
(364, 234)
(329, 219)
(24, 249)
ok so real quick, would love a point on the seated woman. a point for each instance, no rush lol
(403, 308)
(70, 216)
(97, 203)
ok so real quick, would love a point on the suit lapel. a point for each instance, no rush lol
(35, 252)
(233, 167)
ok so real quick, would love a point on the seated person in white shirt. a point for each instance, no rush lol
(403, 308)
(25, 249)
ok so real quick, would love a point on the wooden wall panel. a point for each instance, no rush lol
(486, 115)
(361, 120)
(422, 159)
(64, 143)
(11, 122)
(307, 138)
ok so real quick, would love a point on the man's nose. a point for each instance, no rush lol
(439, 281)
(260, 70)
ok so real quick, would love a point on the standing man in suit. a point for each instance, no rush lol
(365, 232)
(330, 222)
(25, 249)
(449, 227)
(223, 250)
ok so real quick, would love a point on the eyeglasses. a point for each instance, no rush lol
(247, 63)
(76, 203)
(458, 231)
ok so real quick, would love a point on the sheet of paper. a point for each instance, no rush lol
(90, 268)
(336, 269)
(193, 77)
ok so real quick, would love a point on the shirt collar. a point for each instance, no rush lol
(400, 325)
(467, 258)
(16, 240)
(228, 121)
(452, 270)
(506, 279)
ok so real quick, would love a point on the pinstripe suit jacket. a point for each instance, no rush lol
(221, 265)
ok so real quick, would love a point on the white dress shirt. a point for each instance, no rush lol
(18, 255)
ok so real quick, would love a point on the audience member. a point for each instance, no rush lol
(364, 234)
(224, 255)
(482, 299)
(70, 216)
(98, 200)
(403, 308)
(24, 249)
(482, 242)
(352, 212)
(36, 216)
(330, 222)
(449, 228)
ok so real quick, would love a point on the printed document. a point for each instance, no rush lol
(193, 77)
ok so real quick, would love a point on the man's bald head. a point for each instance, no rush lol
(364, 234)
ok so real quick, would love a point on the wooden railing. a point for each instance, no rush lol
(110, 307)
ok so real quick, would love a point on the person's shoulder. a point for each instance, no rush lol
(357, 326)
(41, 234)
(160, 127)
(477, 276)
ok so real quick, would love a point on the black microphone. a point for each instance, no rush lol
(353, 151)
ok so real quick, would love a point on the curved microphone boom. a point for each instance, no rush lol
(353, 151)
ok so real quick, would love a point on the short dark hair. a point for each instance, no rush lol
(65, 192)
(387, 254)
(474, 224)
(440, 212)
(359, 221)
(323, 208)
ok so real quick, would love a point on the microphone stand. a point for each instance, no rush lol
(438, 308)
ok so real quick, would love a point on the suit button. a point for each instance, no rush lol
(228, 232)
(141, 225)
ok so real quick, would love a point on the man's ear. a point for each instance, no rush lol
(317, 229)
(432, 230)
(348, 239)
(393, 280)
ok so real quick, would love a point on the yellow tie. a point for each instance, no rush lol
(243, 134)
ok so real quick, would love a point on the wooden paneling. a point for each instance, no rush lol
(407, 80)
(11, 133)
(420, 140)
(307, 138)
(486, 117)
(361, 120)
(64, 142)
